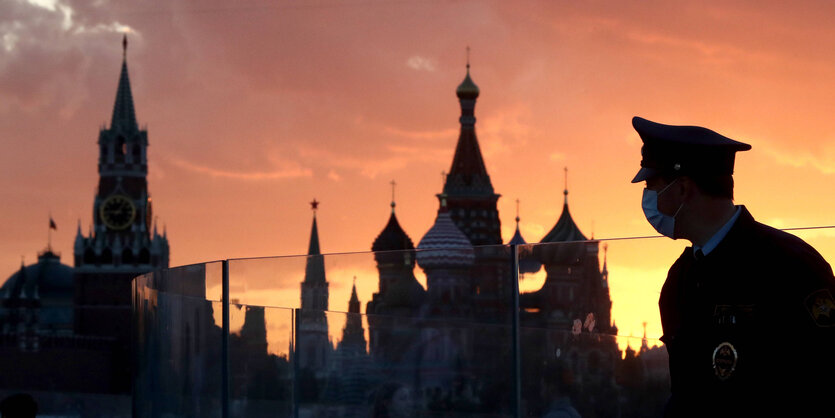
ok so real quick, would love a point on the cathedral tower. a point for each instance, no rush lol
(399, 297)
(468, 191)
(575, 286)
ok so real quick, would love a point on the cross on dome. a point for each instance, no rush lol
(517, 211)
(393, 185)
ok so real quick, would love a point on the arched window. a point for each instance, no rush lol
(120, 149)
(144, 256)
(127, 256)
(89, 256)
(107, 256)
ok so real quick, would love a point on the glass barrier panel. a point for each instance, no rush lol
(177, 343)
(389, 365)
(195, 280)
(415, 288)
(577, 301)
(474, 281)
(261, 376)
(427, 330)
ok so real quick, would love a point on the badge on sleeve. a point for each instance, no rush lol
(821, 306)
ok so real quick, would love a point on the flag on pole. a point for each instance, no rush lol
(52, 224)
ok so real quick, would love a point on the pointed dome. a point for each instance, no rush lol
(444, 245)
(392, 242)
(564, 231)
(467, 90)
(517, 238)
(392, 237)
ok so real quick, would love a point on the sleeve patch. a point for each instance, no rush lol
(821, 306)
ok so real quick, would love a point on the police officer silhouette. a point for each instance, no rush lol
(747, 311)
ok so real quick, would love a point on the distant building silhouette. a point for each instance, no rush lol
(124, 241)
(443, 341)
(314, 347)
(398, 300)
(468, 190)
(37, 300)
(71, 326)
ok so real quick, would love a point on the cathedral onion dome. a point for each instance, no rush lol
(565, 231)
(444, 245)
(467, 89)
(389, 246)
(48, 280)
(517, 238)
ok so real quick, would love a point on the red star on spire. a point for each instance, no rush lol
(314, 204)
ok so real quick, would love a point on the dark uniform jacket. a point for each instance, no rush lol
(750, 328)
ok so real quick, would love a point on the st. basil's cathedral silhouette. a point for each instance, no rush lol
(444, 340)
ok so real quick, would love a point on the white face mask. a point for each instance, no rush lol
(664, 224)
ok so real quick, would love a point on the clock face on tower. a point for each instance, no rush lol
(117, 212)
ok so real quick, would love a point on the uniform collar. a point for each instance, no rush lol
(711, 244)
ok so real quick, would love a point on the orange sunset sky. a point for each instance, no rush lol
(254, 108)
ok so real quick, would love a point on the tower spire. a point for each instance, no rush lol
(354, 298)
(468, 174)
(124, 115)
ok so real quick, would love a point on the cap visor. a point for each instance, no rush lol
(643, 174)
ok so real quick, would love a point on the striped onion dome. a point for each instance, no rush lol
(444, 245)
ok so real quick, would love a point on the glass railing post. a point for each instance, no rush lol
(224, 347)
(295, 361)
(517, 378)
